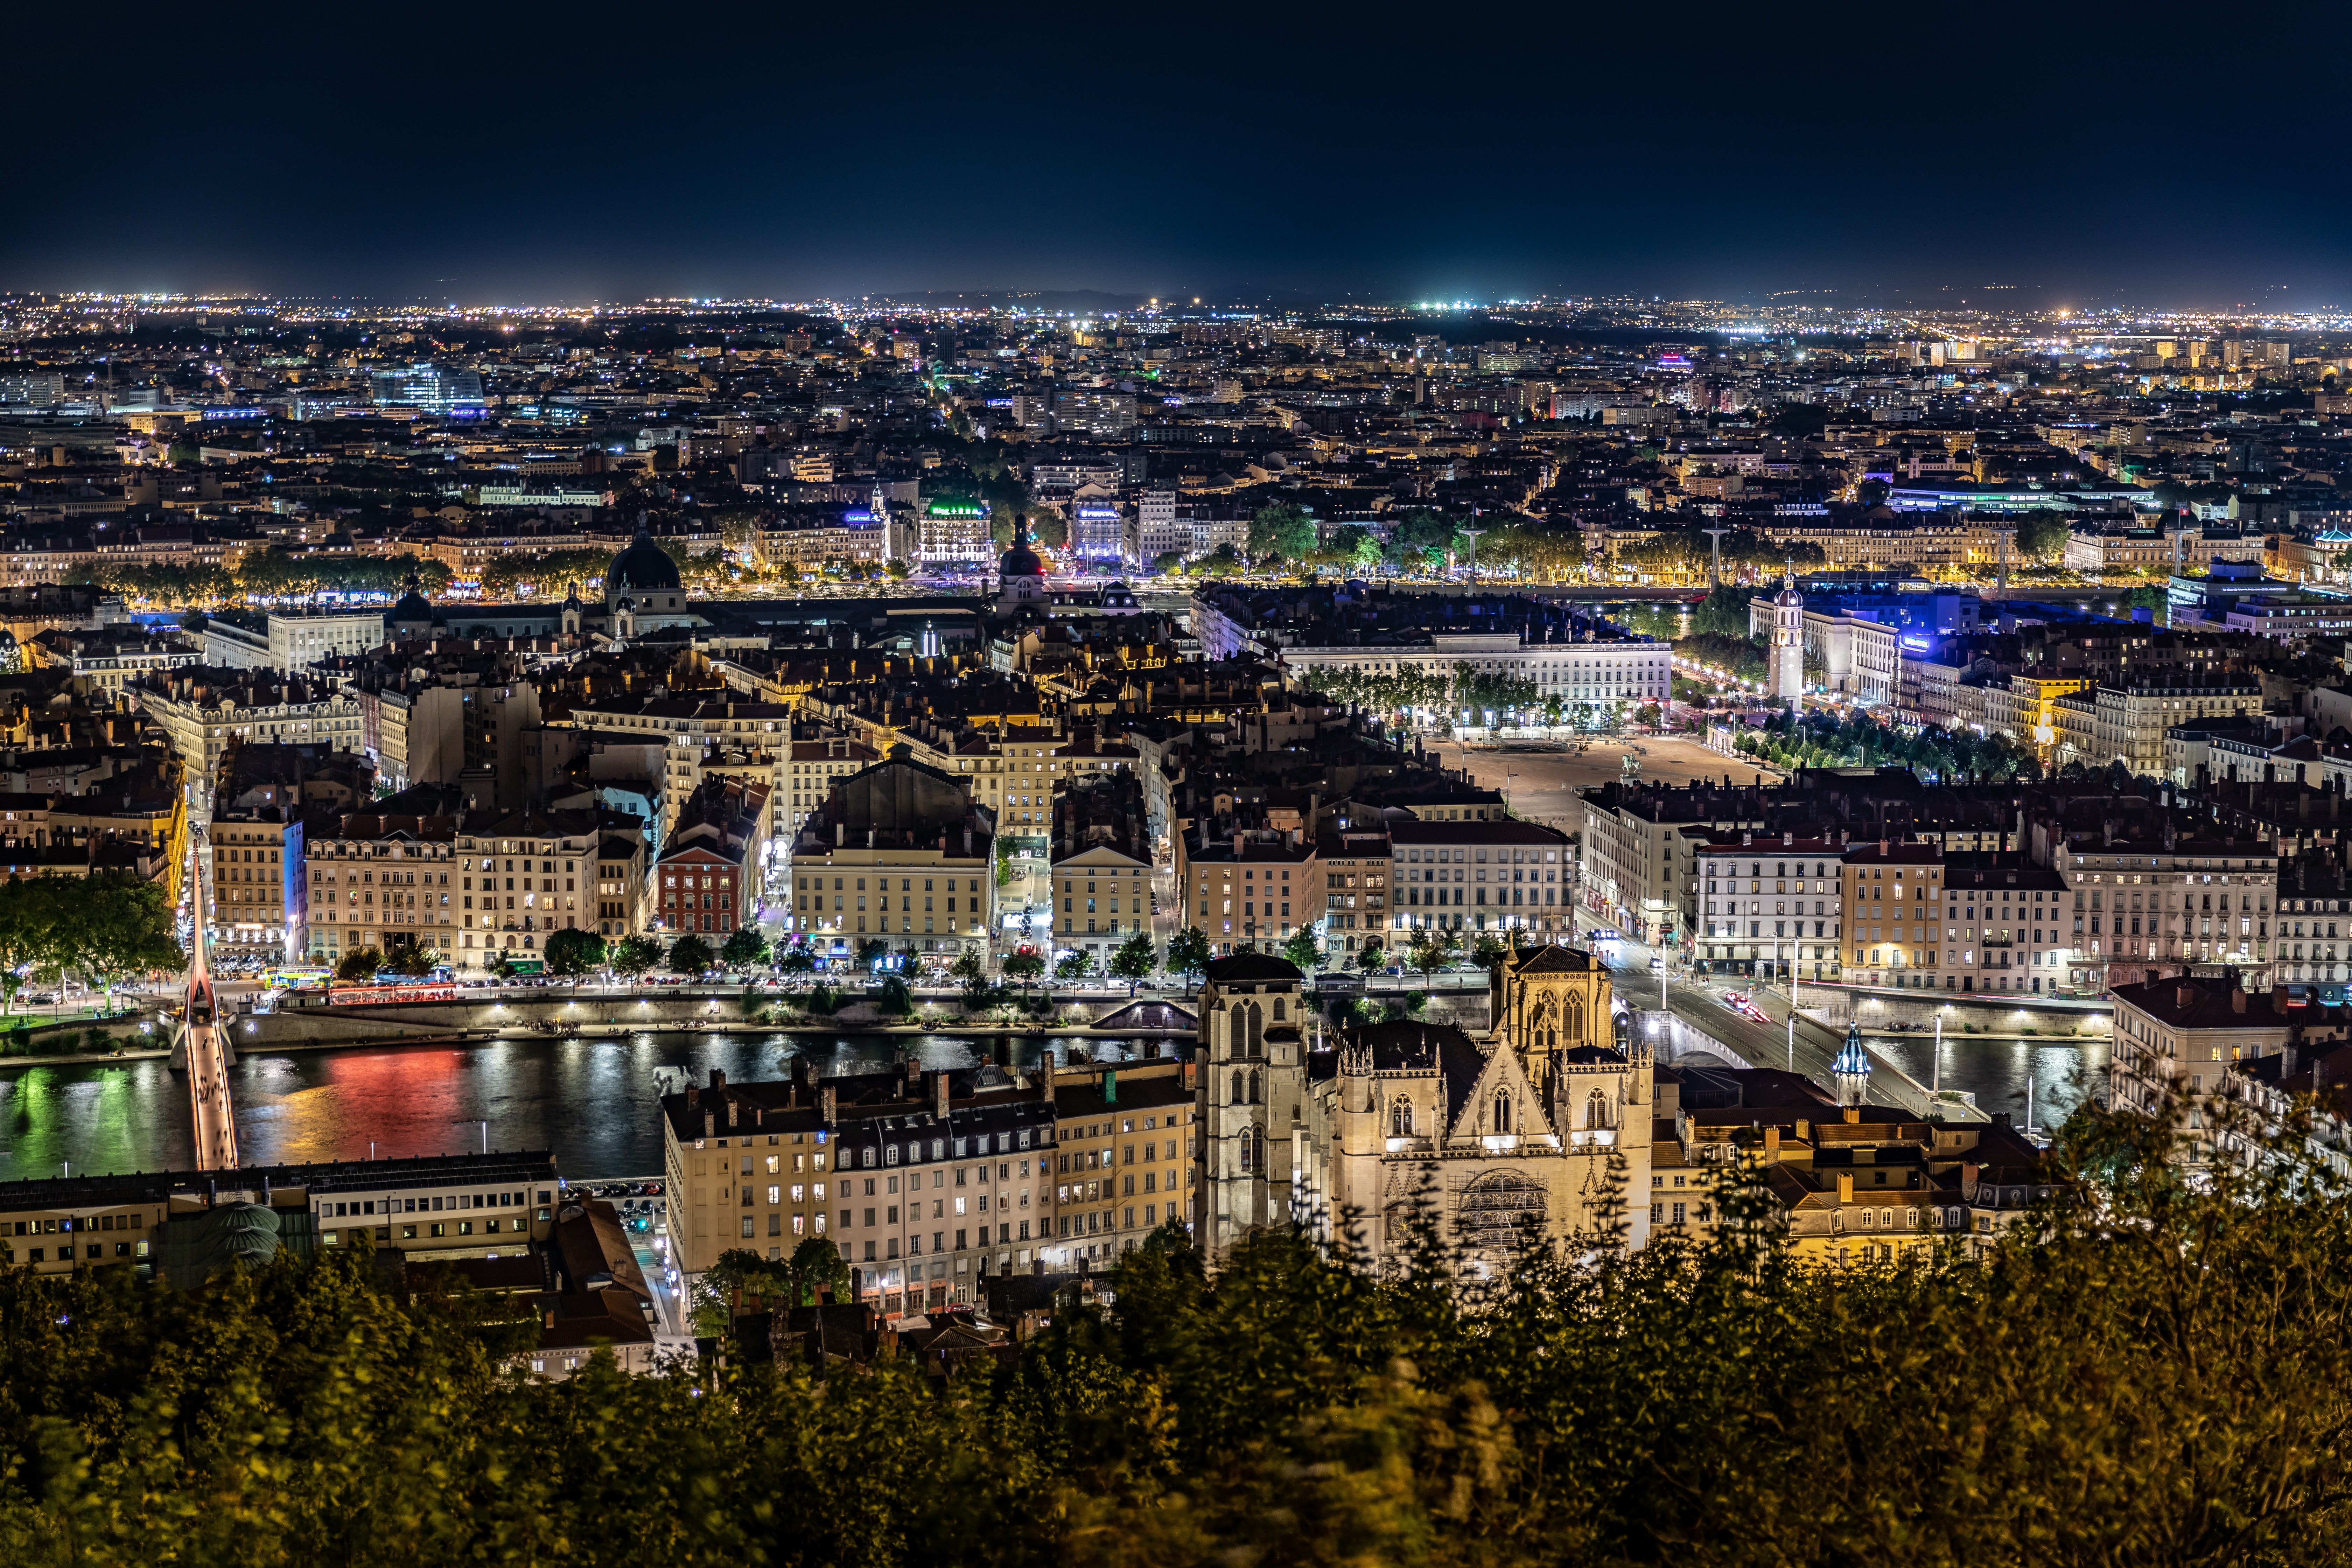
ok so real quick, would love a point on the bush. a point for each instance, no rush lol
(1668, 1406)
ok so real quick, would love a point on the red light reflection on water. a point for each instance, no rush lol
(331, 1106)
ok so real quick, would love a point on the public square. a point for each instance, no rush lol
(1541, 786)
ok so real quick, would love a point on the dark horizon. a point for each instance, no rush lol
(528, 158)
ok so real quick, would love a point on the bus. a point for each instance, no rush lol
(295, 977)
(1604, 941)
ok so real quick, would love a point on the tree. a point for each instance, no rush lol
(1024, 967)
(1003, 861)
(1282, 530)
(896, 999)
(114, 925)
(1487, 951)
(689, 954)
(815, 1270)
(871, 949)
(1133, 960)
(745, 948)
(1431, 947)
(2042, 535)
(794, 957)
(574, 952)
(404, 955)
(357, 964)
(1303, 950)
(1296, 1407)
(898, 570)
(1074, 967)
(30, 909)
(1188, 951)
(635, 956)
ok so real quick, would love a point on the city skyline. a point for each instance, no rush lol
(1240, 154)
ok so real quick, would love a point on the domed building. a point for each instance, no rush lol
(1020, 574)
(643, 593)
(645, 574)
(413, 615)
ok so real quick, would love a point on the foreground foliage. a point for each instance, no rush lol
(2162, 1380)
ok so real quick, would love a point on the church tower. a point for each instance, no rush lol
(1251, 1090)
(1787, 672)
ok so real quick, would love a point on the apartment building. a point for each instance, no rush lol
(1482, 876)
(1101, 866)
(1636, 870)
(815, 766)
(2128, 721)
(202, 709)
(1776, 901)
(708, 878)
(1359, 885)
(1891, 896)
(379, 876)
(2003, 927)
(1123, 1164)
(1253, 888)
(521, 876)
(621, 887)
(2184, 1037)
(2146, 910)
(104, 661)
(898, 850)
(927, 1181)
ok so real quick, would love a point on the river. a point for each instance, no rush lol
(592, 1101)
(1996, 1071)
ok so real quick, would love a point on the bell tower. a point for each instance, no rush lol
(1788, 658)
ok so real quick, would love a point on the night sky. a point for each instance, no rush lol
(2082, 154)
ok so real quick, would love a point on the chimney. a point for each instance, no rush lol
(733, 1110)
(1111, 1086)
(939, 1088)
(709, 1122)
(914, 1078)
(1189, 1067)
(1845, 1187)
(2237, 999)
(1772, 1145)
(718, 1078)
(827, 1101)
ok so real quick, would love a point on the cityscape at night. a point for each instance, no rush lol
(1125, 791)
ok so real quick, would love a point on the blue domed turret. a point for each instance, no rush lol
(1851, 1070)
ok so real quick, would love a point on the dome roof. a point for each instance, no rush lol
(413, 607)
(644, 566)
(1021, 561)
(1852, 1060)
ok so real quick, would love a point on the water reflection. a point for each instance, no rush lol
(1996, 1071)
(590, 1101)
